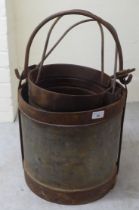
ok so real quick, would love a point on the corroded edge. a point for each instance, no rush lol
(71, 197)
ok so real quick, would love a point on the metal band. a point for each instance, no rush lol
(68, 118)
(71, 198)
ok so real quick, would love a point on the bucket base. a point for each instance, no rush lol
(73, 197)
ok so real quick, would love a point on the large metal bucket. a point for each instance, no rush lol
(71, 158)
(66, 87)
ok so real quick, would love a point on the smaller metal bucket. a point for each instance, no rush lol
(66, 87)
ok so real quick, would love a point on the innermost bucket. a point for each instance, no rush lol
(71, 86)
(70, 90)
(66, 87)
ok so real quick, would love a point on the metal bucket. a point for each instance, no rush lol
(66, 87)
(72, 157)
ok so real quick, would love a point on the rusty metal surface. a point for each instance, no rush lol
(70, 157)
(69, 91)
(80, 91)
(70, 87)
(74, 12)
(63, 157)
(121, 134)
(69, 118)
(65, 87)
(72, 197)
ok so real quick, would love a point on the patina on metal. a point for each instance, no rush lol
(67, 158)
(71, 154)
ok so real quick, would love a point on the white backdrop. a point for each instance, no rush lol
(82, 45)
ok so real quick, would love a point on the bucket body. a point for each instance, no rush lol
(70, 158)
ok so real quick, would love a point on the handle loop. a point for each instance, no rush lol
(74, 12)
(44, 56)
(45, 48)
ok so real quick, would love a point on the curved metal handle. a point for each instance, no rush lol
(74, 12)
(44, 55)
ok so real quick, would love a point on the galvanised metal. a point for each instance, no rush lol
(69, 157)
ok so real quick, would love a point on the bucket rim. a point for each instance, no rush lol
(57, 94)
(70, 118)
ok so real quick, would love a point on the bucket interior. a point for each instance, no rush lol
(108, 99)
(72, 80)
(71, 86)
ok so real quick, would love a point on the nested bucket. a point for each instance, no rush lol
(66, 87)
(71, 157)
